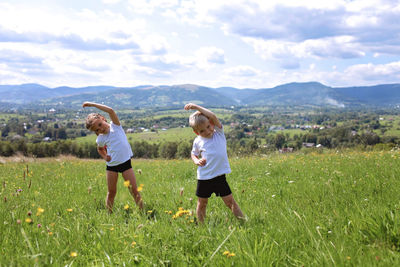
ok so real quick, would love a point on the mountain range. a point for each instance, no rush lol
(291, 94)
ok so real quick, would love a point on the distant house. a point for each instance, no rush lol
(52, 110)
(275, 128)
(308, 145)
(286, 150)
(33, 131)
(16, 137)
(47, 139)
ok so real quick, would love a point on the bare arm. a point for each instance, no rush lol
(103, 153)
(197, 161)
(208, 113)
(110, 111)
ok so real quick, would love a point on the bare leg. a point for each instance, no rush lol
(201, 208)
(129, 175)
(233, 206)
(112, 178)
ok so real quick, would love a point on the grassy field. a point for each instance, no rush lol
(393, 125)
(318, 209)
(170, 135)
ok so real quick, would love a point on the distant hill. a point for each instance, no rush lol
(291, 94)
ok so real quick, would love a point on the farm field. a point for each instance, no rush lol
(319, 209)
(170, 135)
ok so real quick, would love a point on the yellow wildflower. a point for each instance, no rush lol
(126, 207)
(228, 254)
(28, 220)
(127, 183)
(140, 188)
(181, 211)
(39, 211)
(69, 210)
(133, 244)
(73, 254)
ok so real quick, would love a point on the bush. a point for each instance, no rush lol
(168, 150)
(184, 150)
(142, 149)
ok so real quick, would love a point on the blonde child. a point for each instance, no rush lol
(114, 148)
(210, 155)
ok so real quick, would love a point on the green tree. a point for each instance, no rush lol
(168, 150)
(280, 140)
(184, 150)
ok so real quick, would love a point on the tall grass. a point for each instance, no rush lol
(303, 209)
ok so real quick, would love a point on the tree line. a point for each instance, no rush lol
(248, 132)
(141, 149)
(341, 137)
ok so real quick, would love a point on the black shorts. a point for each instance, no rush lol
(217, 185)
(121, 167)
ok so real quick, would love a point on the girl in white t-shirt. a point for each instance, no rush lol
(114, 148)
(209, 154)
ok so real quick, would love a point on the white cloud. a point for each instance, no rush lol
(378, 73)
(246, 43)
(207, 57)
(84, 30)
(242, 71)
(368, 23)
(154, 44)
(111, 2)
(148, 7)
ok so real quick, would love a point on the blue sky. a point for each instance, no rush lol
(238, 43)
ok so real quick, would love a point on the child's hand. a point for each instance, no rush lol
(190, 106)
(201, 162)
(86, 104)
(108, 158)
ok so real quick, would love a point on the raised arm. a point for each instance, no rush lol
(208, 113)
(110, 111)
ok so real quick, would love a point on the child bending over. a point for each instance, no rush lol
(114, 148)
(210, 155)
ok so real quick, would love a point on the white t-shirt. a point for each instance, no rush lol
(214, 151)
(117, 144)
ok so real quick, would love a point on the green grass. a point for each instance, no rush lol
(318, 209)
(392, 123)
(171, 135)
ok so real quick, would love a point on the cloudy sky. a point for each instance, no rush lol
(239, 43)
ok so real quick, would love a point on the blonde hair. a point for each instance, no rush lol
(196, 119)
(92, 117)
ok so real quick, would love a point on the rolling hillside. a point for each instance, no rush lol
(293, 94)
